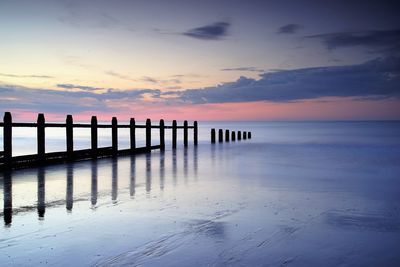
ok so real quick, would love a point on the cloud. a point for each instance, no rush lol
(215, 31)
(376, 78)
(253, 69)
(289, 29)
(118, 75)
(81, 87)
(26, 76)
(87, 99)
(384, 41)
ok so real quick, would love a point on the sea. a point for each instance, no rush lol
(320, 193)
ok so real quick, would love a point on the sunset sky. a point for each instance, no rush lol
(204, 60)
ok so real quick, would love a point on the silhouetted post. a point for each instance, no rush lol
(40, 137)
(7, 138)
(148, 133)
(114, 135)
(213, 136)
(70, 136)
(226, 135)
(132, 128)
(239, 135)
(220, 136)
(233, 136)
(185, 133)
(249, 135)
(195, 133)
(244, 135)
(174, 127)
(94, 136)
(162, 135)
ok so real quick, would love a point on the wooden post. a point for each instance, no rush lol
(40, 137)
(7, 138)
(239, 135)
(114, 135)
(132, 128)
(185, 133)
(70, 136)
(162, 135)
(220, 136)
(213, 136)
(226, 135)
(249, 135)
(148, 134)
(195, 133)
(174, 126)
(94, 136)
(244, 135)
(233, 136)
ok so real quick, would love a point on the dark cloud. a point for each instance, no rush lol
(289, 28)
(384, 41)
(215, 31)
(253, 69)
(26, 76)
(376, 78)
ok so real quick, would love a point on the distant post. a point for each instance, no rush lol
(226, 135)
(174, 128)
(148, 133)
(40, 137)
(249, 135)
(185, 133)
(70, 136)
(94, 136)
(114, 135)
(244, 135)
(132, 129)
(195, 133)
(213, 136)
(239, 135)
(220, 136)
(162, 135)
(7, 138)
(233, 136)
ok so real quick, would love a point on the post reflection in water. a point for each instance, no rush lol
(174, 167)
(132, 185)
(114, 184)
(41, 202)
(162, 170)
(148, 172)
(93, 194)
(185, 164)
(7, 194)
(70, 186)
(188, 160)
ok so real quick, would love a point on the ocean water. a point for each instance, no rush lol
(296, 194)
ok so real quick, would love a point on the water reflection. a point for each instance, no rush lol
(41, 206)
(70, 186)
(167, 170)
(93, 194)
(114, 175)
(7, 195)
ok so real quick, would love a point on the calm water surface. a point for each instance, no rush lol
(296, 194)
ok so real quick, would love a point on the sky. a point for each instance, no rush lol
(200, 60)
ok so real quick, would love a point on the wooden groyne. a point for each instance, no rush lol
(229, 135)
(7, 161)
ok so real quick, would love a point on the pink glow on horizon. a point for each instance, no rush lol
(320, 109)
